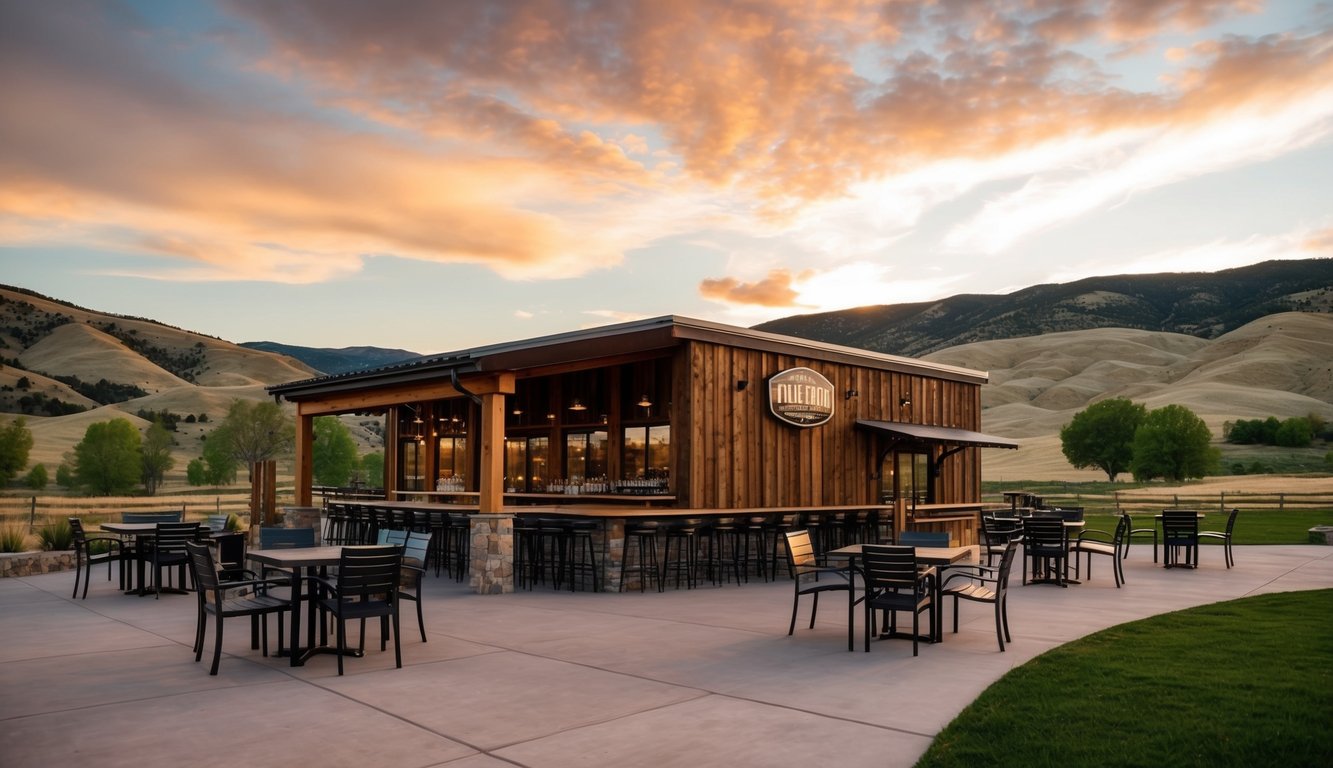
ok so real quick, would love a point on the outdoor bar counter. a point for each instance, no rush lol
(959, 520)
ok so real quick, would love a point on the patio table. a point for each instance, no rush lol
(294, 561)
(141, 532)
(932, 557)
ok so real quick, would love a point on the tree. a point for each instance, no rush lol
(334, 454)
(219, 461)
(196, 473)
(1294, 433)
(108, 460)
(64, 475)
(15, 443)
(1102, 436)
(36, 478)
(1175, 444)
(372, 465)
(255, 431)
(156, 454)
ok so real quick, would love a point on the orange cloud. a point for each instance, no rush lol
(775, 290)
(544, 138)
(1319, 242)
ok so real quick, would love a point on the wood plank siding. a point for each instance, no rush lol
(730, 452)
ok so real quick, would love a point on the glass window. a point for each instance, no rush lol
(526, 461)
(410, 455)
(904, 476)
(585, 455)
(634, 464)
(646, 458)
(453, 463)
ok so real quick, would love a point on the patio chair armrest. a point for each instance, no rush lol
(971, 573)
(257, 586)
(108, 539)
(805, 570)
(320, 583)
(1096, 534)
(928, 576)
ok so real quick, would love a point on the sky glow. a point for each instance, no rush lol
(438, 175)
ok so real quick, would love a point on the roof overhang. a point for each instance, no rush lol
(949, 436)
(653, 335)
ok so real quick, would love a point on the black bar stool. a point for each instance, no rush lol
(641, 535)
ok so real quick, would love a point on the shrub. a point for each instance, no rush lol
(36, 478)
(233, 523)
(56, 536)
(12, 538)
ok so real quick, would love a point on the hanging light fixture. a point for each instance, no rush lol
(644, 402)
(577, 405)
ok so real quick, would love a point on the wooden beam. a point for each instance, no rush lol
(369, 399)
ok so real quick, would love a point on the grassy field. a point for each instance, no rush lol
(1242, 683)
(1262, 527)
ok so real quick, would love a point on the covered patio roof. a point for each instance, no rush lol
(958, 438)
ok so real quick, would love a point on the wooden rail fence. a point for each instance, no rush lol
(35, 511)
(1138, 502)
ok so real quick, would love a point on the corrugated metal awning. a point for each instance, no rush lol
(961, 438)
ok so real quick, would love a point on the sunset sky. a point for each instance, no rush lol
(437, 175)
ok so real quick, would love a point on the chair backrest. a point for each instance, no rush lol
(800, 552)
(995, 531)
(1180, 526)
(394, 537)
(152, 517)
(216, 522)
(1045, 533)
(172, 537)
(76, 528)
(204, 570)
(1122, 529)
(924, 538)
(888, 566)
(369, 572)
(286, 538)
(1006, 565)
(414, 549)
(1071, 514)
(1231, 520)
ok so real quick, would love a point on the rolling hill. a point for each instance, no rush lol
(1201, 304)
(101, 366)
(55, 354)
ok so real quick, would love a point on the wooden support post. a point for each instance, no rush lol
(491, 488)
(305, 466)
(264, 492)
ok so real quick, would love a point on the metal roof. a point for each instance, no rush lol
(942, 435)
(589, 344)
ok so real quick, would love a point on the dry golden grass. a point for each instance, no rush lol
(1281, 365)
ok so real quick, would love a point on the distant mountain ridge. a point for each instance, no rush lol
(1201, 304)
(331, 361)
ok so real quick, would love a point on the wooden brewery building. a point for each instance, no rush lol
(669, 416)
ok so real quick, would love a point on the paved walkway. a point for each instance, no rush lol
(685, 678)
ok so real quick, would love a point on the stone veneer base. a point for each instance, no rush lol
(30, 563)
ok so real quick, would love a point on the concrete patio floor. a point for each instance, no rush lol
(684, 678)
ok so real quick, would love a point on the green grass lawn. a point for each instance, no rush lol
(1257, 527)
(1243, 683)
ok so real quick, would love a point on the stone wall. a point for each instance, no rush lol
(31, 563)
